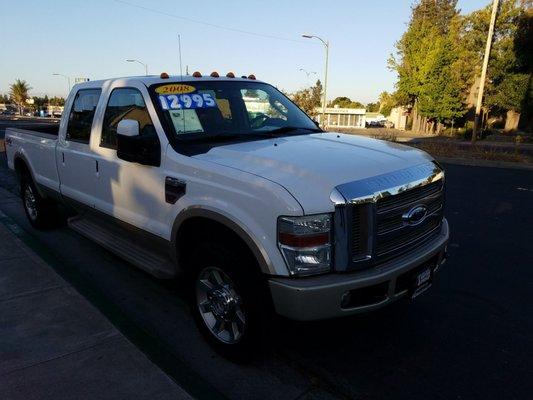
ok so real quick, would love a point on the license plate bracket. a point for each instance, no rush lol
(421, 281)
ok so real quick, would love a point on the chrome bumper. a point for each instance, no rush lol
(313, 298)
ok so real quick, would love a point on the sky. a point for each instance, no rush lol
(94, 38)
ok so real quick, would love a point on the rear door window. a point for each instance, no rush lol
(81, 115)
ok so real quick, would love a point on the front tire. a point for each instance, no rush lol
(228, 300)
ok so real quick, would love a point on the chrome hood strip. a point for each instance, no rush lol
(372, 189)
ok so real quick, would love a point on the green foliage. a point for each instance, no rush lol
(510, 65)
(373, 107)
(18, 92)
(386, 103)
(57, 101)
(425, 60)
(345, 102)
(309, 99)
(510, 92)
(440, 55)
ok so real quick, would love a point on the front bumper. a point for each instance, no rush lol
(320, 297)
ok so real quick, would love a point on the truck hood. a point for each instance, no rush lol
(311, 166)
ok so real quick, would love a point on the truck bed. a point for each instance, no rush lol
(37, 148)
(45, 128)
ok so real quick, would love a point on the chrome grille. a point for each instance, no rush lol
(393, 236)
(356, 233)
(383, 221)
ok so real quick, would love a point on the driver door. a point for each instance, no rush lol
(128, 191)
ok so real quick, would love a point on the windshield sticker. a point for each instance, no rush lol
(186, 101)
(175, 88)
(186, 121)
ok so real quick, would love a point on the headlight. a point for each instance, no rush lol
(305, 243)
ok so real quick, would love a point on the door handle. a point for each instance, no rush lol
(97, 167)
(63, 158)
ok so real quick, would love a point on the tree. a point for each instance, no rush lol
(345, 102)
(18, 92)
(510, 65)
(439, 57)
(309, 99)
(57, 101)
(425, 62)
(386, 103)
(373, 107)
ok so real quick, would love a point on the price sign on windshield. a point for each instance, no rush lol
(186, 101)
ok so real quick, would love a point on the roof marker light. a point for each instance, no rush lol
(244, 77)
(214, 74)
(163, 75)
(252, 77)
(197, 74)
(230, 75)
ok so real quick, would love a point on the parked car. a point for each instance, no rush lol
(255, 211)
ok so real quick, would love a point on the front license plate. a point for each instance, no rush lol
(421, 283)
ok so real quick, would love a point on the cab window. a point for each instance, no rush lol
(260, 106)
(81, 115)
(124, 103)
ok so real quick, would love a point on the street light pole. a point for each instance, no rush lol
(325, 97)
(67, 78)
(143, 64)
(484, 70)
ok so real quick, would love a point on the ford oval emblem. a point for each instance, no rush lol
(415, 215)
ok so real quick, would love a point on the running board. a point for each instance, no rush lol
(114, 240)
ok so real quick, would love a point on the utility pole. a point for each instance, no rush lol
(179, 50)
(495, 5)
(325, 97)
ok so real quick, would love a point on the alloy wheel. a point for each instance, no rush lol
(220, 305)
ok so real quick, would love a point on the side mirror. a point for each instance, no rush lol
(132, 146)
(128, 127)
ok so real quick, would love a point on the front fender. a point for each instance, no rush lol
(257, 248)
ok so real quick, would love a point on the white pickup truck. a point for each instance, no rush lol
(226, 183)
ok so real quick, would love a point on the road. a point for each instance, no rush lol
(469, 337)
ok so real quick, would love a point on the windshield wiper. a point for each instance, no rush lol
(252, 135)
(286, 129)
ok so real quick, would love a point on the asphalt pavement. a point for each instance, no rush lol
(468, 337)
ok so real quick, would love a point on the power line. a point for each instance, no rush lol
(195, 21)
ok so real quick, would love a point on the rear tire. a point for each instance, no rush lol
(228, 300)
(39, 211)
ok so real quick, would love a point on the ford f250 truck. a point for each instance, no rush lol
(224, 182)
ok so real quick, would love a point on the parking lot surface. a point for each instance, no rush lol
(468, 337)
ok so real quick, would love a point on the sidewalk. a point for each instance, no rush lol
(55, 345)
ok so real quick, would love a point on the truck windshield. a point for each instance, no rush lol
(196, 110)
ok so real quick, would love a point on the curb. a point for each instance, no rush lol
(189, 381)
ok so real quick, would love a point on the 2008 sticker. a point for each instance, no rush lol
(175, 88)
(186, 101)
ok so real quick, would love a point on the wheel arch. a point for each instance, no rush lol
(22, 166)
(187, 218)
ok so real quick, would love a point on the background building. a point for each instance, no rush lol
(398, 116)
(342, 117)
